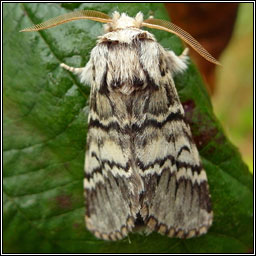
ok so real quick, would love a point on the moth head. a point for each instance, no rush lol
(123, 21)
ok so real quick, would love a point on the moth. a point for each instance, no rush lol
(142, 166)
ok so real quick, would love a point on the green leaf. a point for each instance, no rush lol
(45, 125)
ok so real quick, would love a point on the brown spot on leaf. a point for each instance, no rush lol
(77, 225)
(206, 134)
(220, 139)
(203, 129)
(189, 107)
(64, 201)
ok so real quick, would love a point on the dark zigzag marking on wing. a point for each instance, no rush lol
(95, 123)
(102, 164)
(179, 164)
(171, 138)
(154, 123)
(183, 148)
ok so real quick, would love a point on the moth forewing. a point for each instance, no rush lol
(141, 161)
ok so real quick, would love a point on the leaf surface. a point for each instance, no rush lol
(45, 125)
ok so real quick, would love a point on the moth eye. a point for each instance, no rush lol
(142, 36)
(114, 42)
(109, 42)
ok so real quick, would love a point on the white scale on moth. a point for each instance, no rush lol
(141, 162)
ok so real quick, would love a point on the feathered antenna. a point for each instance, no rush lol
(185, 36)
(77, 15)
(104, 18)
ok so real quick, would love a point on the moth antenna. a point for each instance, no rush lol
(185, 36)
(77, 15)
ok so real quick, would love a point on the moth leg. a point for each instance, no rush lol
(184, 54)
(178, 64)
(76, 71)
